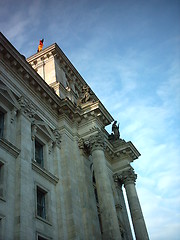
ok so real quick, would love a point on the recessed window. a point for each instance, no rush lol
(1, 179)
(1, 124)
(41, 203)
(1, 227)
(39, 153)
(42, 238)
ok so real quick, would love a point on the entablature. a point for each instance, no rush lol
(120, 149)
(119, 153)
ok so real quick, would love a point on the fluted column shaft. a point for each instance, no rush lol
(140, 230)
(105, 195)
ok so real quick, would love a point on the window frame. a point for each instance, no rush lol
(41, 236)
(43, 206)
(46, 191)
(3, 173)
(2, 123)
(38, 145)
(2, 226)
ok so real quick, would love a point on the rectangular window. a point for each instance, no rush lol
(1, 179)
(42, 238)
(41, 203)
(1, 124)
(0, 227)
(39, 153)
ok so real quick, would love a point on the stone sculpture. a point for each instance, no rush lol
(115, 135)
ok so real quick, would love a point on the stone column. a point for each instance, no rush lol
(109, 218)
(128, 178)
(122, 211)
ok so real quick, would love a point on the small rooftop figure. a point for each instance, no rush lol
(86, 94)
(115, 130)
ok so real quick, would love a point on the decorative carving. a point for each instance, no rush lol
(118, 206)
(126, 177)
(50, 146)
(97, 141)
(86, 95)
(13, 114)
(57, 137)
(33, 131)
(92, 143)
(84, 145)
(81, 143)
(115, 129)
(27, 107)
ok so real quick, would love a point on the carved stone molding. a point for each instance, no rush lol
(118, 206)
(50, 146)
(13, 114)
(27, 107)
(57, 136)
(97, 142)
(94, 142)
(126, 177)
(33, 132)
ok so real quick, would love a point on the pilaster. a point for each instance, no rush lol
(24, 184)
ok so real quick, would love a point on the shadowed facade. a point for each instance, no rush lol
(61, 172)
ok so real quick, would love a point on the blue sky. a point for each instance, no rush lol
(128, 51)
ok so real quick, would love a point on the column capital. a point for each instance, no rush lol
(126, 177)
(94, 142)
(97, 142)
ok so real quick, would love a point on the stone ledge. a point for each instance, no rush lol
(43, 220)
(43, 172)
(2, 199)
(9, 147)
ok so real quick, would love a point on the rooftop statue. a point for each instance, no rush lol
(86, 94)
(115, 131)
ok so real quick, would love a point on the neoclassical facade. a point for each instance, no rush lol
(61, 172)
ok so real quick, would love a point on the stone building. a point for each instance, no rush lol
(61, 173)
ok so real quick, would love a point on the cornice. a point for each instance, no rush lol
(97, 110)
(121, 149)
(23, 68)
(55, 51)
